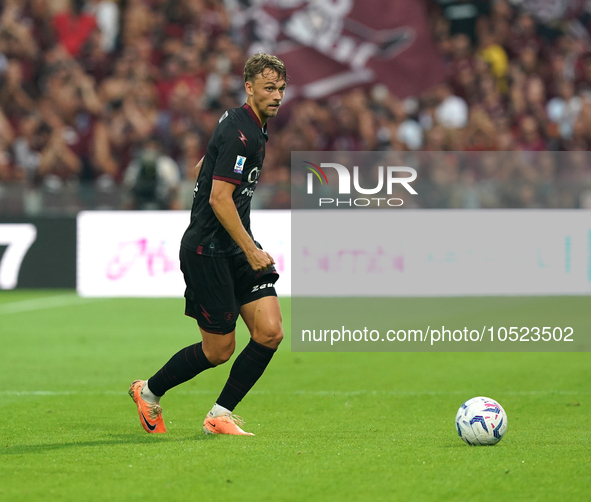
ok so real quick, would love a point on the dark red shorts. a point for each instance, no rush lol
(218, 286)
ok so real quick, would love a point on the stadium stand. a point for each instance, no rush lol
(86, 85)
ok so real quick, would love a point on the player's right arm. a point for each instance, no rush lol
(224, 208)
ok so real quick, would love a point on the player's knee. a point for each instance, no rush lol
(271, 336)
(219, 354)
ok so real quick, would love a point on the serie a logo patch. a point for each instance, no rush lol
(239, 166)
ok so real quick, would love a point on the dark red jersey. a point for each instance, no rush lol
(235, 154)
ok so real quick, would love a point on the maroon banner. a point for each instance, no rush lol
(333, 46)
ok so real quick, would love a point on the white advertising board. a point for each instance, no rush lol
(356, 253)
(441, 252)
(135, 253)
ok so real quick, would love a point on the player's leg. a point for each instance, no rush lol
(215, 315)
(218, 348)
(263, 319)
(186, 364)
(209, 299)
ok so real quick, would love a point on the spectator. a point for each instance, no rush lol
(530, 137)
(6, 139)
(112, 144)
(16, 38)
(28, 145)
(74, 27)
(494, 54)
(106, 13)
(192, 152)
(524, 36)
(564, 109)
(58, 163)
(14, 99)
(152, 178)
(452, 111)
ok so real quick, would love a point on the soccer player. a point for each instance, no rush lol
(226, 271)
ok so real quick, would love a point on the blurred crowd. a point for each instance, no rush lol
(110, 103)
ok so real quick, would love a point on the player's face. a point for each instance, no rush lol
(266, 94)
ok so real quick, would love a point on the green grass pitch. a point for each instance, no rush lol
(329, 426)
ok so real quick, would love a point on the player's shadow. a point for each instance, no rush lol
(117, 440)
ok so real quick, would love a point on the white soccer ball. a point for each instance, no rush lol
(481, 421)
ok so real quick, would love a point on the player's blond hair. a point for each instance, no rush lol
(260, 62)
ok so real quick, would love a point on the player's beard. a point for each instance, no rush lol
(271, 112)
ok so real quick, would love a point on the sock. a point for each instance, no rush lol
(246, 370)
(218, 410)
(184, 365)
(148, 395)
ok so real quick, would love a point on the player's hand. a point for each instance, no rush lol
(260, 260)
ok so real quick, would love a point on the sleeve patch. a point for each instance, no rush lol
(239, 166)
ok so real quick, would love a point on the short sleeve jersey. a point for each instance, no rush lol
(235, 154)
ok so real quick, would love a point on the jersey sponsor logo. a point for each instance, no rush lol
(239, 166)
(248, 191)
(242, 137)
(229, 316)
(254, 174)
(223, 117)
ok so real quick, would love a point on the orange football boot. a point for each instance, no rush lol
(224, 424)
(150, 413)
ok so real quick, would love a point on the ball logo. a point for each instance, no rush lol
(239, 165)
